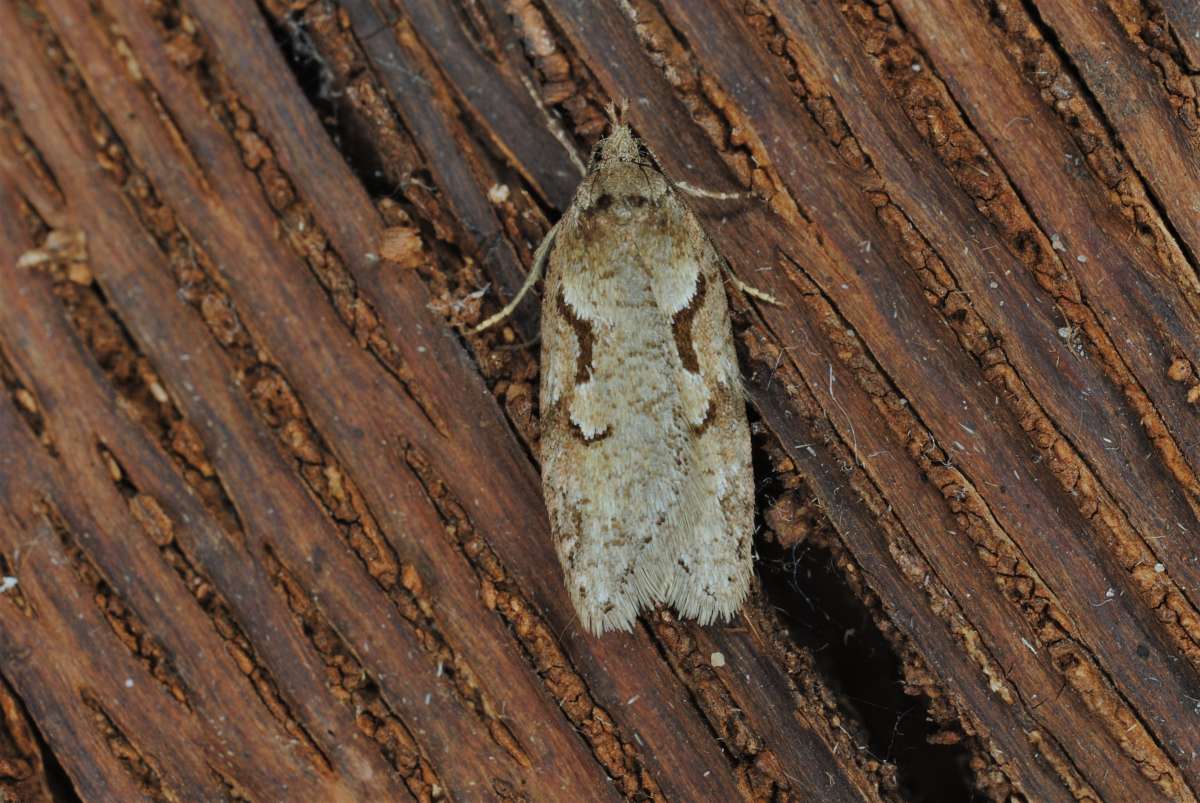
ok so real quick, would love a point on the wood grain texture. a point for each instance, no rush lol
(270, 520)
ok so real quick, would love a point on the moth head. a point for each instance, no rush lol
(622, 146)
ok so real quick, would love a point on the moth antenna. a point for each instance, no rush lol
(700, 192)
(753, 292)
(539, 265)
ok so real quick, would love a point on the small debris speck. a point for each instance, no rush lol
(498, 193)
(402, 245)
(7, 584)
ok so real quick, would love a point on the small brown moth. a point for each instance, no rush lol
(645, 445)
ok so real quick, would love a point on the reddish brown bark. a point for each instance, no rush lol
(272, 518)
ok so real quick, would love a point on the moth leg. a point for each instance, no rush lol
(540, 256)
(700, 192)
(753, 292)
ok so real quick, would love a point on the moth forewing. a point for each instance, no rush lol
(645, 445)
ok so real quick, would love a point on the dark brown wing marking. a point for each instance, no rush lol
(583, 363)
(585, 336)
(599, 436)
(699, 429)
(681, 325)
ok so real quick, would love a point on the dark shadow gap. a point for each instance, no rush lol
(323, 90)
(57, 781)
(825, 616)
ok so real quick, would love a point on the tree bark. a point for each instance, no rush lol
(270, 518)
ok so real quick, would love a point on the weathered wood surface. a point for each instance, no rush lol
(270, 523)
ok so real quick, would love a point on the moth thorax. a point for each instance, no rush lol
(620, 145)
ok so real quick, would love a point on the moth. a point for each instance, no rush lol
(645, 444)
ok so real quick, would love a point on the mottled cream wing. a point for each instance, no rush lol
(645, 445)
